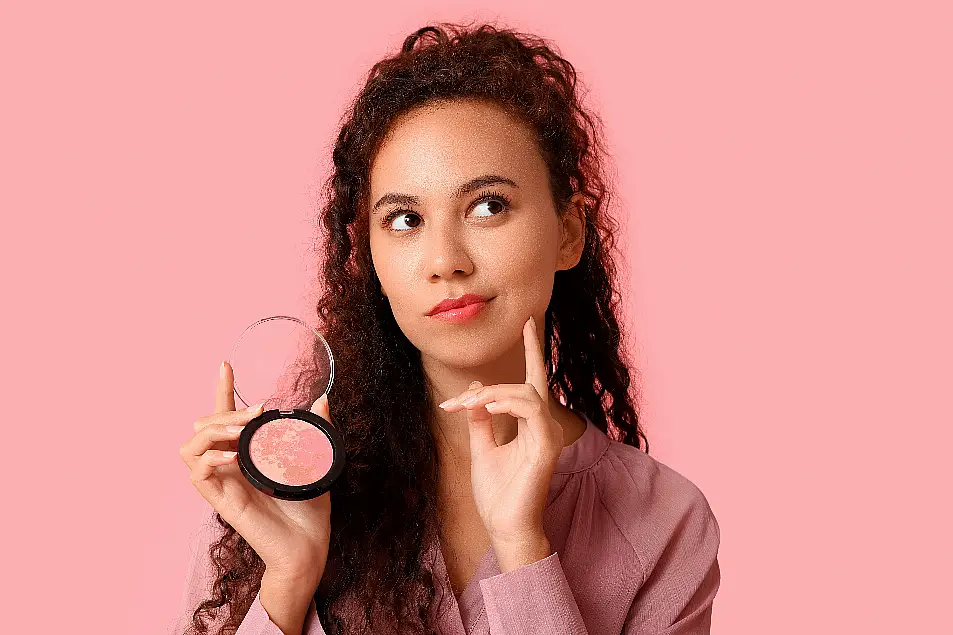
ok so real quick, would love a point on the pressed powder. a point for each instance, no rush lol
(292, 452)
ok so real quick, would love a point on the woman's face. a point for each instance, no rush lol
(436, 233)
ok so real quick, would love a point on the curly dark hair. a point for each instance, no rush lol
(384, 504)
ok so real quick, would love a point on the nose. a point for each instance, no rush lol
(446, 251)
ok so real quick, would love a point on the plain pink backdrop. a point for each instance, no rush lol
(784, 170)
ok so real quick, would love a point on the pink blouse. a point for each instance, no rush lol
(635, 551)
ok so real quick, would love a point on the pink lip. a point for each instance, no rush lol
(456, 303)
(461, 314)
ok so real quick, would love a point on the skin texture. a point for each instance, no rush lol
(444, 246)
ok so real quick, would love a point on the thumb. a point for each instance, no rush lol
(480, 424)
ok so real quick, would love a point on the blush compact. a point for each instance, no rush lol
(287, 451)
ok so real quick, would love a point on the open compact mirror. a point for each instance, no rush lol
(287, 451)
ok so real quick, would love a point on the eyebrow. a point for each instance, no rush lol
(466, 188)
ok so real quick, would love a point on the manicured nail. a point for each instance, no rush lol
(229, 454)
(255, 408)
(469, 401)
(221, 370)
(445, 404)
(234, 429)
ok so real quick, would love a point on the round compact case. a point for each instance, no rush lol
(287, 451)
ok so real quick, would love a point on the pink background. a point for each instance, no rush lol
(785, 171)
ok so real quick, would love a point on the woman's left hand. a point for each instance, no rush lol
(511, 481)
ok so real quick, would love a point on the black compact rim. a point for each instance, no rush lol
(283, 490)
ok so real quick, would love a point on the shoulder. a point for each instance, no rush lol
(655, 507)
(630, 473)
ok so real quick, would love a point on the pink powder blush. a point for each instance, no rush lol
(291, 452)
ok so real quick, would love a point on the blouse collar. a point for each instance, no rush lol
(583, 453)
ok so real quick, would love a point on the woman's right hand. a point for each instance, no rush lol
(291, 537)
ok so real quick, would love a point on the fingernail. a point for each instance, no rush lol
(470, 400)
(234, 429)
(229, 454)
(445, 404)
(255, 408)
(474, 384)
(221, 370)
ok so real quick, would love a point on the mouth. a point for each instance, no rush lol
(460, 313)
(456, 303)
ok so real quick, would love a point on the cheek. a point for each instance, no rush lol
(529, 281)
(532, 258)
(388, 263)
(399, 273)
(526, 265)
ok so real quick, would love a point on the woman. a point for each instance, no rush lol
(495, 478)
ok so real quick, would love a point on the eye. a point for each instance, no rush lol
(495, 207)
(388, 220)
(497, 204)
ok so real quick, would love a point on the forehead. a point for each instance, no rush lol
(441, 145)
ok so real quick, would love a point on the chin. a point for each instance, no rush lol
(461, 350)
(463, 356)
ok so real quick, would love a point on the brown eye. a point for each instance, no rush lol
(394, 216)
(495, 206)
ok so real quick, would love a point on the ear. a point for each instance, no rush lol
(572, 232)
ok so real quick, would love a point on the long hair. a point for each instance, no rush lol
(384, 504)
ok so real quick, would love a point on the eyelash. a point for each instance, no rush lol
(491, 195)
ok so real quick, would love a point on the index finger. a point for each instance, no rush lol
(535, 368)
(225, 395)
